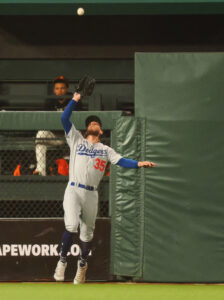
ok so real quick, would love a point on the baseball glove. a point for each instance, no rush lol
(86, 86)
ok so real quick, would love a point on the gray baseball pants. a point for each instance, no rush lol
(80, 209)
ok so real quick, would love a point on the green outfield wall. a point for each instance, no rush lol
(171, 220)
(127, 200)
(167, 222)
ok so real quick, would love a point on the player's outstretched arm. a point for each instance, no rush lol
(133, 164)
(67, 124)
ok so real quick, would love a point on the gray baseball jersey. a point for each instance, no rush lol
(88, 161)
(87, 165)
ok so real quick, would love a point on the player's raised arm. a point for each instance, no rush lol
(65, 118)
(133, 164)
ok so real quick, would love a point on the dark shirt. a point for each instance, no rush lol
(53, 102)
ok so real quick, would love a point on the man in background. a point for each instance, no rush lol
(49, 138)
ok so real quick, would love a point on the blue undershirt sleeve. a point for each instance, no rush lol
(127, 163)
(67, 124)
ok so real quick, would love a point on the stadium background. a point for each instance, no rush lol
(164, 105)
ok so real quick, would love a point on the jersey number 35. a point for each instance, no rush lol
(100, 164)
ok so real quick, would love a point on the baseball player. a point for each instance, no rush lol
(88, 159)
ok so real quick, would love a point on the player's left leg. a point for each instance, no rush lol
(72, 211)
(87, 226)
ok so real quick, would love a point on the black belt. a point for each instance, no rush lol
(83, 186)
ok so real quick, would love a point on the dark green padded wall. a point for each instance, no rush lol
(180, 95)
(127, 200)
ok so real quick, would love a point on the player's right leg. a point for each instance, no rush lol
(87, 226)
(72, 211)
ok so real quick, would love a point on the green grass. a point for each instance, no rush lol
(59, 291)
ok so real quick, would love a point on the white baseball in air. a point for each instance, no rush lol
(80, 11)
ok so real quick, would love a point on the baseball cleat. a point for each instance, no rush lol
(80, 276)
(59, 274)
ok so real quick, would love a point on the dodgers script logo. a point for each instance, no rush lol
(83, 150)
